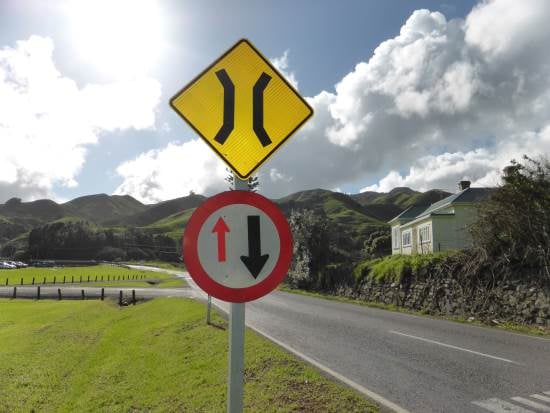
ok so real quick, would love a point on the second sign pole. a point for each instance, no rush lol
(236, 341)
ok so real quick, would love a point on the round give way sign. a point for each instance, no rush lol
(237, 246)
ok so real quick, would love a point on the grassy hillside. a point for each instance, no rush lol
(102, 208)
(386, 206)
(173, 225)
(41, 210)
(160, 356)
(164, 209)
(338, 207)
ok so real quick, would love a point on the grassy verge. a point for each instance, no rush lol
(98, 275)
(508, 326)
(92, 356)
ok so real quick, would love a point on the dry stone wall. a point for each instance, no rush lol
(513, 301)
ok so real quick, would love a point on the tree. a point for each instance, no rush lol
(512, 231)
(311, 247)
(13, 202)
(378, 244)
(253, 182)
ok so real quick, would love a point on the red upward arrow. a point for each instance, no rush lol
(221, 228)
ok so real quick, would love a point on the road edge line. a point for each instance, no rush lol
(382, 401)
(356, 386)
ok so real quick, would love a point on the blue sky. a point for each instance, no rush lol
(411, 116)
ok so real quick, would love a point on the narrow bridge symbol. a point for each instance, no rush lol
(229, 108)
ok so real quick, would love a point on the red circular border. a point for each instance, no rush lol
(191, 256)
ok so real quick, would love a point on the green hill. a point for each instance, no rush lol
(36, 211)
(388, 205)
(102, 208)
(337, 207)
(173, 225)
(163, 210)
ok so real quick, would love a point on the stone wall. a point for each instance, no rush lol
(513, 301)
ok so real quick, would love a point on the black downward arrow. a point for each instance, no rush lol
(255, 261)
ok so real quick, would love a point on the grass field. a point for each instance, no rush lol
(89, 356)
(106, 275)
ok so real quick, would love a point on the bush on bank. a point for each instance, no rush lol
(398, 268)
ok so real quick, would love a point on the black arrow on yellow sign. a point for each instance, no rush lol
(229, 108)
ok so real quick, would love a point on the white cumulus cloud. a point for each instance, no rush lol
(172, 172)
(443, 100)
(47, 120)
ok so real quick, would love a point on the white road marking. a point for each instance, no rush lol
(500, 406)
(546, 392)
(223, 306)
(532, 404)
(370, 394)
(540, 397)
(454, 347)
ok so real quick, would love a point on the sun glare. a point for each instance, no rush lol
(121, 38)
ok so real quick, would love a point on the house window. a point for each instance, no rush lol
(424, 234)
(395, 238)
(406, 239)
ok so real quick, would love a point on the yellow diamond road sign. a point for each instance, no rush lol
(242, 107)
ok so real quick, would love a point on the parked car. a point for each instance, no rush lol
(6, 265)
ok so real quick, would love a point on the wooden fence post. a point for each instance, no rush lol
(44, 280)
(59, 294)
(102, 293)
(64, 279)
(21, 280)
(32, 280)
(38, 293)
(14, 292)
(134, 297)
(54, 279)
(120, 298)
(83, 297)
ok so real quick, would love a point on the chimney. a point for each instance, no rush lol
(462, 185)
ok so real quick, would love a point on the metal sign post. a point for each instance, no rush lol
(236, 341)
(209, 309)
(237, 245)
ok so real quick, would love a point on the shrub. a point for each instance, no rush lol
(397, 268)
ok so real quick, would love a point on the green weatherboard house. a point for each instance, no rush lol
(442, 226)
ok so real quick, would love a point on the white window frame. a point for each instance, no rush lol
(409, 237)
(396, 238)
(424, 234)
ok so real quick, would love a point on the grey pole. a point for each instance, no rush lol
(208, 309)
(236, 342)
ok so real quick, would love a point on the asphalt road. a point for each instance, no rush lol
(420, 364)
(417, 363)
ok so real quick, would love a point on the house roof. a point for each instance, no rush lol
(467, 196)
(410, 213)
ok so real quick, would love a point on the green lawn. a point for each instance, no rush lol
(106, 275)
(90, 356)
